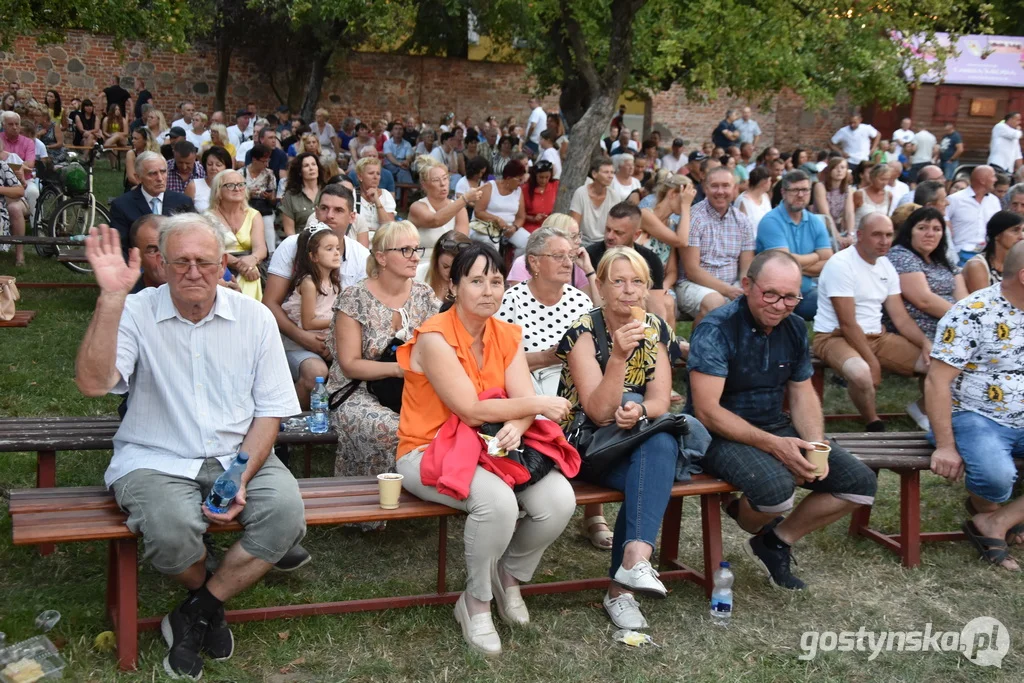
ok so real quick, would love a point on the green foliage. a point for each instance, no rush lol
(168, 24)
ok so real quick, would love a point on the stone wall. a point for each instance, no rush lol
(367, 84)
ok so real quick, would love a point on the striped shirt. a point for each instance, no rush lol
(720, 239)
(195, 387)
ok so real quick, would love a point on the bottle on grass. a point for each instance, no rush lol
(721, 596)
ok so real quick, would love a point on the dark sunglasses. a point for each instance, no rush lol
(452, 245)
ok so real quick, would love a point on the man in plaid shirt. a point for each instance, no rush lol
(720, 249)
(183, 168)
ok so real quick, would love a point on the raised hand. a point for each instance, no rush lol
(103, 251)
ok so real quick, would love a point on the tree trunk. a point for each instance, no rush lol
(224, 49)
(317, 73)
(583, 146)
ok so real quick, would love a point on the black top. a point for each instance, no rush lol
(142, 98)
(117, 95)
(88, 123)
(719, 138)
(597, 250)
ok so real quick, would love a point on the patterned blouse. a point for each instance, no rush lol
(941, 280)
(639, 366)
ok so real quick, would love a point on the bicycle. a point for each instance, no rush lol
(78, 214)
(51, 195)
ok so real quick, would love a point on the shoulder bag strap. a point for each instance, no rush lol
(600, 337)
(341, 395)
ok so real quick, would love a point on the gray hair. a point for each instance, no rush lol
(795, 176)
(1013, 192)
(189, 222)
(10, 115)
(538, 242)
(927, 191)
(143, 158)
(620, 159)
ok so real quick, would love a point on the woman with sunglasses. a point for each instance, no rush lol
(539, 197)
(444, 253)
(435, 214)
(388, 304)
(243, 229)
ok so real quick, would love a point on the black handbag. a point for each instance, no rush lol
(535, 462)
(601, 447)
(387, 391)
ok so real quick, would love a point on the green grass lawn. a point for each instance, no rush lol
(853, 583)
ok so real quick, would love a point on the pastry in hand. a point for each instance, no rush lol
(637, 313)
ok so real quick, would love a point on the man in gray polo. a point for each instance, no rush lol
(195, 402)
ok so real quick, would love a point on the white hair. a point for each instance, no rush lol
(10, 115)
(189, 222)
(143, 158)
(620, 159)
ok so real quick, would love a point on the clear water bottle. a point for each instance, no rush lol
(721, 596)
(227, 485)
(318, 400)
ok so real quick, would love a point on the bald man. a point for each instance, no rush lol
(924, 174)
(853, 289)
(969, 211)
(975, 391)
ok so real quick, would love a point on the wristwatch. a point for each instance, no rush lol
(643, 416)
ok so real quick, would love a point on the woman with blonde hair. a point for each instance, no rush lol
(323, 130)
(142, 140)
(434, 214)
(219, 138)
(243, 230)
(369, 317)
(157, 125)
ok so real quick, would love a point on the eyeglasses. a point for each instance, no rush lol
(790, 300)
(407, 252)
(452, 245)
(798, 190)
(233, 186)
(183, 266)
(562, 258)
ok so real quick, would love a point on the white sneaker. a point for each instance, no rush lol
(478, 630)
(624, 611)
(509, 601)
(918, 416)
(642, 578)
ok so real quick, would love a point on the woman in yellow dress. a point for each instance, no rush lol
(245, 246)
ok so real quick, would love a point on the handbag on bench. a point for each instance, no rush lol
(8, 295)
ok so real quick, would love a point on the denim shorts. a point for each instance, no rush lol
(988, 449)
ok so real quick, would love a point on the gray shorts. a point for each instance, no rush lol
(689, 296)
(296, 358)
(167, 511)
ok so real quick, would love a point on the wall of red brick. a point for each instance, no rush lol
(368, 84)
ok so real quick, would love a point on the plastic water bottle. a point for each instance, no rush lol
(721, 596)
(318, 401)
(227, 485)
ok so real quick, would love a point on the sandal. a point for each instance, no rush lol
(600, 539)
(992, 550)
(1014, 531)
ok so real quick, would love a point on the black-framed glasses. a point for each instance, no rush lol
(407, 252)
(183, 266)
(790, 300)
(451, 245)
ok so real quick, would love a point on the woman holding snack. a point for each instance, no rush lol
(464, 371)
(625, 378)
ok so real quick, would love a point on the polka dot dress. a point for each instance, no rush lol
(543, 326)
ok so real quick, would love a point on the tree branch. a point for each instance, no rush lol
(584, 64)
(620, 54)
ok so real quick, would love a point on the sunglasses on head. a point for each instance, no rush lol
(452, 245)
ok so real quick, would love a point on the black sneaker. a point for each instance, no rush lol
(774, 563)
(184, 633)
(293, 559)
(218, 642)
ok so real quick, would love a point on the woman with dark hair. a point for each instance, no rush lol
(503, 155)
(306, 177)
(833, 197)
(464, 368)
(801, 160)
(444, 253)
(476, 171)
(754, 201)
(214, 160)
(561, 139)
(1005, 229)
(87, 126)
(54, 108)
(261, 184)
(501, 201)
(540, 195)
(115, 128)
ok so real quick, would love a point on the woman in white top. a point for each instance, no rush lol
(754, 202)
(435, 214)
(502, 202)
(876, 196)
(375, 204)
(215, 160)
(624, 186)
(324, 131)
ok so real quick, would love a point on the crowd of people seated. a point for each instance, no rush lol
(490, 310)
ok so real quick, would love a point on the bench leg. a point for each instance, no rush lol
(46, 478)
(122, 600)
(861, 517)
(442, 555)
(910, 518)
(670, 524)
(711, 527)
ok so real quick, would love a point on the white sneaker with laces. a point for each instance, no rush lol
(624, 611)
(642, 578)
(918, 416)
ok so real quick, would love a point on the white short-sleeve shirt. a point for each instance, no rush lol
(856, 144)
(846, 274)
(353, 265)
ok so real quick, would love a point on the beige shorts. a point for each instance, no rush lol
(894, 353)
(689, 295)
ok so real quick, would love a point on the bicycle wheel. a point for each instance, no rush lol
(72, 218)
(46, 206)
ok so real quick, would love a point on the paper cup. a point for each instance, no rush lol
(390, 488)
(819, 456)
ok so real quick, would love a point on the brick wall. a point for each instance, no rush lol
(367, 84)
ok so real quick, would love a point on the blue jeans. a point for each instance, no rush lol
(988, 449)
(646, 477)
(807, 308)
(401, 175)
(949, 168)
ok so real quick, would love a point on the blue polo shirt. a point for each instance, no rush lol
(777, 230)
(756, 366)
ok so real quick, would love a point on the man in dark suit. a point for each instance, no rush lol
(151, 196)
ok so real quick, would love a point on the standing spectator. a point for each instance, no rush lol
(833, 197)
(142, 97)
(856, 141)
(536, 125)
(748, 129)
(306, 177)
(926, 152)
(1004, 153)
(675, 160)
(726, 133)
(969, 212)
(324, 131)
(549, 153)
(901, 136)
(950, 150)
(242, 228)
(237, 133)
(1004, 230)
(720, 248)
(115, 94)
(591, 202)
(541, 192)
(187, 109)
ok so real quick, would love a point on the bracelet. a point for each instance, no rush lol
(587, 275)
(643, 417)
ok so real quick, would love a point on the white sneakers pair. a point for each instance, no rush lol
(478, 630)
(624, 610)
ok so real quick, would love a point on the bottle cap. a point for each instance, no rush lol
(319, 379)
(723, 564)
(243, 456)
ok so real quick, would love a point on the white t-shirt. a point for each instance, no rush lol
(551, 154)
(621, 191)
(180, 123)
(1004, 147)
(899, 190)
(353, 265)
(543, 326)
(901, 137)
(968, 218)
(592, 219)
(368, 212)
(856, 144)
(539, 119)
(197, 139)
(462, 187)
(925, 142)
(673, 164)
(241, 150)
(846, 274)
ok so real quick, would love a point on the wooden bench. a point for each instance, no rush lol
(21, 319)
(48, 516)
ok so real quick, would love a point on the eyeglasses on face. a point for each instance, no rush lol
(561, 258)
(233, 186)
(407, 252)
(790, 300)
(182, 266)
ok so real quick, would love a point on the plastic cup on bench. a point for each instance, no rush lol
(390, 489)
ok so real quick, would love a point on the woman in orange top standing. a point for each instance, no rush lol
(451, 359)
